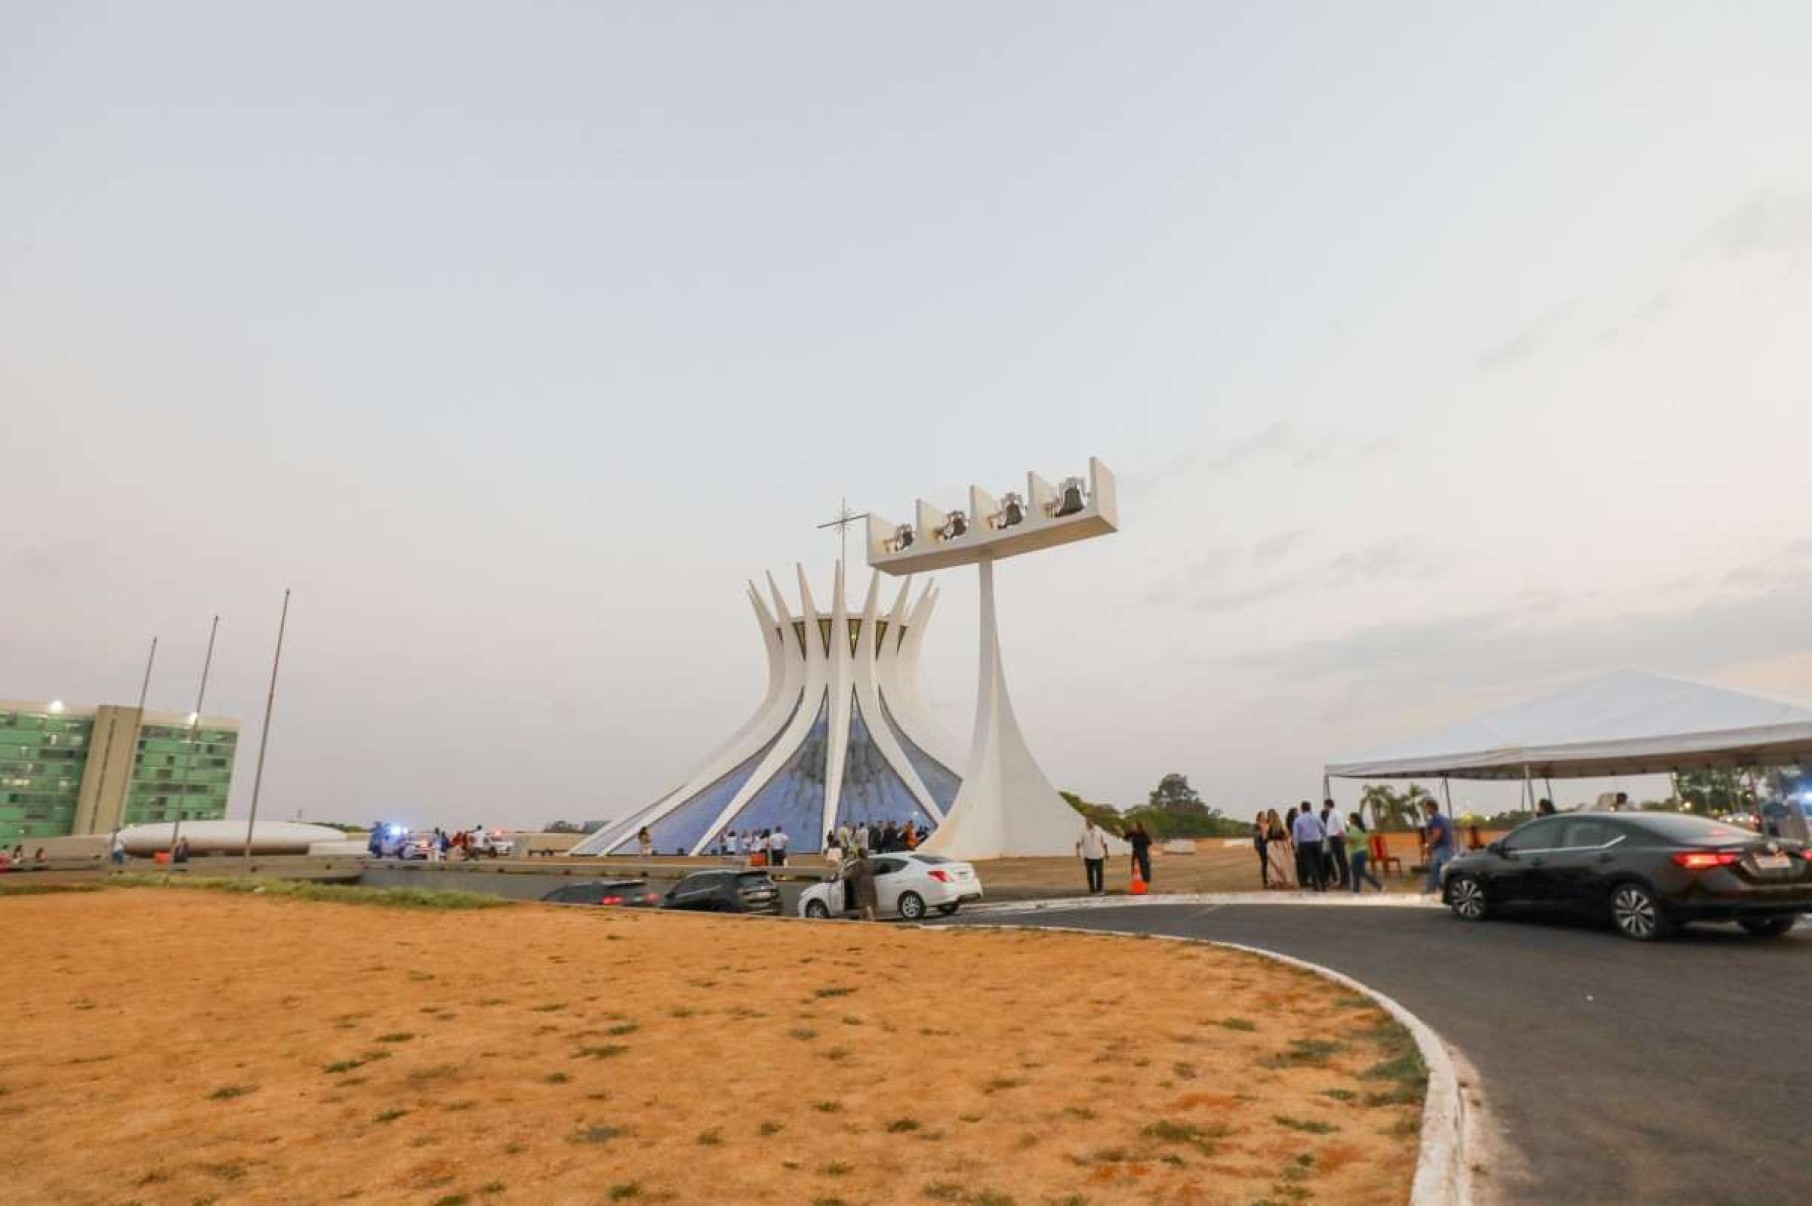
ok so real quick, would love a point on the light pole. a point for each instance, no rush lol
(188, 763)
(264, 736)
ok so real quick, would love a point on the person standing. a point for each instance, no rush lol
(860, 873)
(1091, 848)
(1308, 834)
(1261, 837)
(1440, 846)
(1334, 825)
(117, 851)
(862, 836)
(1361, 854)
(777, 842)
(644, 842)
(1140, 841)
(1545, 808)
(1278, 851)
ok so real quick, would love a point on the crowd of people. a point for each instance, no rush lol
(1318, 852)
(756, 848)
(769, 847)
(393, 841)
(887, 837)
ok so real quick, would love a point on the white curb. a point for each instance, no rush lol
(1443, 1167)
(1317, 900)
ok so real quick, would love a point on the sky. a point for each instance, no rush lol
(1446, 355)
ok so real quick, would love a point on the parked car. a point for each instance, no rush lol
(907, 883)
(726, 891)
(622, 893)
(1648, 873)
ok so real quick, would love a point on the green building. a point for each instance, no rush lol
(67, 770)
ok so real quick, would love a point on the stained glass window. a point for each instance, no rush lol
(872, 790)
(942, 782)
(794, 797)
(682, 828)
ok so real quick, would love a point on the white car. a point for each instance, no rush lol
(906, 883)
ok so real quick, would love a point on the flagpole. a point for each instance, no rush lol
(107, 751)
(188, 763)
(264, 737)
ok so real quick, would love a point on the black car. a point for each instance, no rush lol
(1649, 873)
(725, 892)
(621, 893)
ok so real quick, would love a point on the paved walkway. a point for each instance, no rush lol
(1619, 1072)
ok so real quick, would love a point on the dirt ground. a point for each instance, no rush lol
(168, 1045)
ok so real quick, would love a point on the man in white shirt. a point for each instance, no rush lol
(777, 847)
(1308, 834)
(862, 835)
(1091, 848)
(1334, 826)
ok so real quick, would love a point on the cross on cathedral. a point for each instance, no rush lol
(844, 518)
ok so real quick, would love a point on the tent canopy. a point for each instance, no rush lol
(1627, 723)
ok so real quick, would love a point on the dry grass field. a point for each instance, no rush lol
(170, 1046)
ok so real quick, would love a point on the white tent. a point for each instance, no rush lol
(1627, 723)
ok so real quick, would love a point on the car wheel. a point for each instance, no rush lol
(947, 909)
(912, 906)
(1466, 896)
(817, 910)
(1769, 927)
(1637, 914)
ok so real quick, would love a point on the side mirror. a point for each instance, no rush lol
(1498, 849)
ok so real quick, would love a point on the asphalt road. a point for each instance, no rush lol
(1619, 1072)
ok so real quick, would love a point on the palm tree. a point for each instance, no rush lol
(1391, 807)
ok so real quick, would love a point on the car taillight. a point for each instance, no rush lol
(939, 874)
(1705, 860)
(611, 900)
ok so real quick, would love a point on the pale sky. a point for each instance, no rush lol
(1446, 353)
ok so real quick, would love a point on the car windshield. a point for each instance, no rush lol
(1676, 827)
(754, 879)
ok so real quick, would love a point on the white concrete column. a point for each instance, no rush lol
(1006, 803)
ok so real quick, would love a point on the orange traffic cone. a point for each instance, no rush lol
(1137, 887)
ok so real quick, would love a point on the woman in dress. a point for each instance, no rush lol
(1261, 837)
(1281, 851)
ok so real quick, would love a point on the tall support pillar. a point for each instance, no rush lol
(1006, 804)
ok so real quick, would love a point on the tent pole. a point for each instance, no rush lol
(1446, 795)
(1549, 784)
(1528, 790)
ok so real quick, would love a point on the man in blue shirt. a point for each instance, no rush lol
(1308, 834)
(1440, 845)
